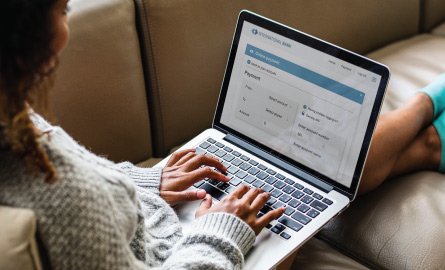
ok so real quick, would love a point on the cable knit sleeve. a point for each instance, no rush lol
(102, 215)
(218, 241)
(146, 178)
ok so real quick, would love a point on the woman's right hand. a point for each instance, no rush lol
(244, 203)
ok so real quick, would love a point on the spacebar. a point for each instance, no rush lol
(290, 223)
(216, 193)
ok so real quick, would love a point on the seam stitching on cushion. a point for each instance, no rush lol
(422, 17)
(140, 42)
(158, 144)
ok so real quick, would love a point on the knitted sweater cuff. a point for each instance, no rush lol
(147, 178)
(227, 226)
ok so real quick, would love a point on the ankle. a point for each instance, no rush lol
(423, 104)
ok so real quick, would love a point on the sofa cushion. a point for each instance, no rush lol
(18, 248)
(433, 13)
(414, 63)
(318, 255)
(100, 96)
(186, 45)
(400, 225)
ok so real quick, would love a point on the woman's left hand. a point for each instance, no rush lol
(184, 169)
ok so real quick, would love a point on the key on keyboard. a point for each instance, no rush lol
(290, 223)
(267, 188)
(220, 145)
(253, 162)
(262, 167)
(213, 191)
(270, 180)
(245, 158)
(285, 235)
(319, 205)
(278, 228)
(301, 218)
(236, 162)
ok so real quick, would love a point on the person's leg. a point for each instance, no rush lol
(424, 153)
(399, 135)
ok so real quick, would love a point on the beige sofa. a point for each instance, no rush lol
(142, 77)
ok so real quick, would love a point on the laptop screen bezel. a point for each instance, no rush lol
(324, 47)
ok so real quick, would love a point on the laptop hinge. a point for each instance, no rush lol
(279, 163)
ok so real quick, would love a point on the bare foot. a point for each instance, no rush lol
(424, 153)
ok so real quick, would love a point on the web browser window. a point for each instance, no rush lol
(308, 105)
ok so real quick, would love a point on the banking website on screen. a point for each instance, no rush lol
(309, 106)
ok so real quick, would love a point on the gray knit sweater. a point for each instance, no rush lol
(102, 215)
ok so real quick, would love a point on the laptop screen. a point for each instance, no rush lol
(308, 105)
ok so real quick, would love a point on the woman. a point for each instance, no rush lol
(94, 214)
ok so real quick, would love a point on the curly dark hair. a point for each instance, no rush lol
(26, 35)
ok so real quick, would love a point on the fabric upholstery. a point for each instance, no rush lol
(18, 248)
(318, 255)
(400, 225)
(414, 63)
(433, 13)
(100, 97)
(186, 44)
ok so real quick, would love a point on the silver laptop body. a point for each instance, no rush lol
(295, 117)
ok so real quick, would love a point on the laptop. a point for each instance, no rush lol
(295, 117)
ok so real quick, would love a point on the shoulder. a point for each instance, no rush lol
(39, 121)
(83, 179)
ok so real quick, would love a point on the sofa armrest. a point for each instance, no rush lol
(18, 245)
(433, 13)
(100, 96)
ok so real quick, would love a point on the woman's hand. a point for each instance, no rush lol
(183, 170)
(244, 203)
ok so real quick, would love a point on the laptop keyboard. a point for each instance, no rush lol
(302, 204)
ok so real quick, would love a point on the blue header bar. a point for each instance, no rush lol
(306, 74)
